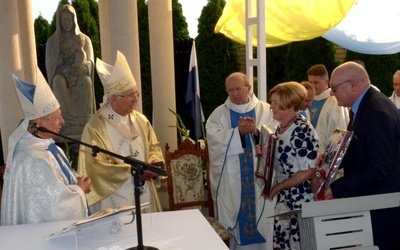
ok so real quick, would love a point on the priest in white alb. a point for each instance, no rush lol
(232, 132)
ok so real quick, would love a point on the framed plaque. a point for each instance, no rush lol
(265, 165)
(332, 158)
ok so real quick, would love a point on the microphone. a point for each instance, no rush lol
(34, 128)
(129, 160)
(42, 129)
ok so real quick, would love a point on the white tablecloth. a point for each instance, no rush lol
(185, 229)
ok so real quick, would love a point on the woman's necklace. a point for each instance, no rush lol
(289, 122)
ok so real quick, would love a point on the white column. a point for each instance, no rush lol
(162, 70)
(28, 43)
(163, 79)
(10, 54)
(119, 31)
(105, 39)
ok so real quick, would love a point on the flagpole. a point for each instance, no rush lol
(196, 108)
(193, 101)
(196, 132)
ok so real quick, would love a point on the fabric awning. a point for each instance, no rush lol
(364, 26)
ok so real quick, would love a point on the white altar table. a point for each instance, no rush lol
(175, 230)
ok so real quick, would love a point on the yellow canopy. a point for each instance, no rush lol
(285, 20)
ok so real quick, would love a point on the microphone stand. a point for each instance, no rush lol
(137, 169)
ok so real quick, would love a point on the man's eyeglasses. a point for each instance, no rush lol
(333, 88)
(130, 96)
(236, 89)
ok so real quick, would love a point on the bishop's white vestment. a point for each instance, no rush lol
(112, 180)
(35, 188)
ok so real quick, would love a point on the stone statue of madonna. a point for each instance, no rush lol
(70, 71)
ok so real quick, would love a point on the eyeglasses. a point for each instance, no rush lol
(236, 89)
(130, 96)
(333, 88)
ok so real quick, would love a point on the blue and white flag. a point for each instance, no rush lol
(193, 94)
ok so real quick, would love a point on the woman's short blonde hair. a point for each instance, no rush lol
(291, 94)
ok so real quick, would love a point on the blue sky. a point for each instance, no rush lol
(191, 11)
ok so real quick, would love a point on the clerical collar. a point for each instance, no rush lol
(325, 94)
(242, 108)
(123, 118)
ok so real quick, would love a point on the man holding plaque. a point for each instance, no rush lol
(372, 162)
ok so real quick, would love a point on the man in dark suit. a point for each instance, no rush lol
(372, 162)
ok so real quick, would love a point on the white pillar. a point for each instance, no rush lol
(163, 79)
(119, 31)
(162, 70)
(28, 43)
(11, 62)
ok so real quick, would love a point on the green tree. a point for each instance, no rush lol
(179, 24)
(217, 57)
(302, 55)
(380, 68)
(87, 14)
(276, 65)
(290, 62)
(42, 27)
(145, 65)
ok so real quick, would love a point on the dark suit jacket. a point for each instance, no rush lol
(372, 163)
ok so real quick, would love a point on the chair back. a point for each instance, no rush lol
(188, 177)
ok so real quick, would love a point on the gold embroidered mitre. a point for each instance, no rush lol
(115, 79)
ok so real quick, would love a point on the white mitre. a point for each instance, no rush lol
(37, 100)
(115, 79)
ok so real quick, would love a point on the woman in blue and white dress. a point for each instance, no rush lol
(294, 162)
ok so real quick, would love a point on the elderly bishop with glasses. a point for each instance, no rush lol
(118, 128)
